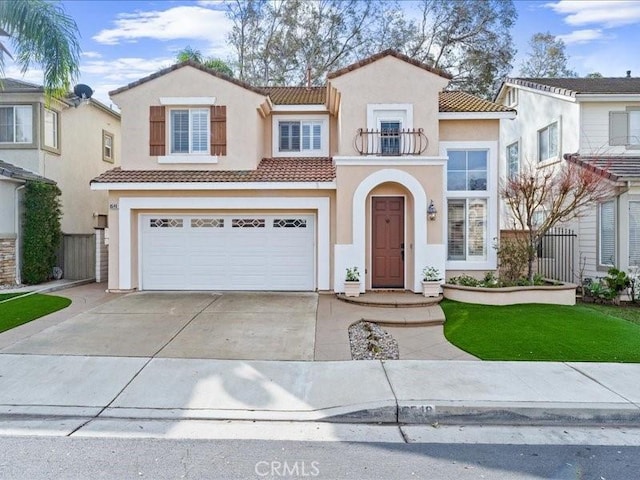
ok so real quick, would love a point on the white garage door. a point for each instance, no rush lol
(228, 252)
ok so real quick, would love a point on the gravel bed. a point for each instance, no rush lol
(370, 342)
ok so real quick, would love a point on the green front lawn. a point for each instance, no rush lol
(543, 332)
(23, 310)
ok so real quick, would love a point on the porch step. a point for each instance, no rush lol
(391, 299)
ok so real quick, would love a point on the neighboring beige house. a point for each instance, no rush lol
(226, 186)
(58, 141)
(594, 122)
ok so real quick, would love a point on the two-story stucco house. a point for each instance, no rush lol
(57, 140)
(594, 122)
(227, 186)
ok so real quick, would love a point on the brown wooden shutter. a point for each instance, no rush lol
(218, 130)
(157, 131)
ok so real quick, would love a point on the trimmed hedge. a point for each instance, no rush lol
(41, 232)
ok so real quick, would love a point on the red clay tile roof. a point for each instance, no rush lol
(189, 63)
(385, 53)
(296, 95)
(269, 170)
(571, 87)
(456, 101)
(612, 167)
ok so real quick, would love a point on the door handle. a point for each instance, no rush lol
(402, 251)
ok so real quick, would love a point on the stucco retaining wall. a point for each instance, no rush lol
(564, 294)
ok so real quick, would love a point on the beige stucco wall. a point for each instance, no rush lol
(245, 127)
(7, 201)
(81, 160)
(348, 178)
(388, 81)
(114, 198)
(469, 130)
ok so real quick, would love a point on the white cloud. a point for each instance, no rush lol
(183, 22)
(33, 75)
(124, 70)
(91, 55)
(581, 36)
(608, 14)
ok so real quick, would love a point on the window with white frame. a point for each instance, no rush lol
(299, 136)
(107, 146)
(607, 233)
(634, 234)
(624, 128)
(467, 229)
(548, 142)
(512, 97)
(50, 129)
(467, 170)
(513, 160)
(390, 137)
(16, 124)
(189, 129)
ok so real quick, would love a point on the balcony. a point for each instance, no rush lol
(391, 142)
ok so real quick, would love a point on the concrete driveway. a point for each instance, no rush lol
(244, 326)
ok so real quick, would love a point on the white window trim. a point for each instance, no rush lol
(599, 233)
(469, 258)
(507, 160)
(554, 159)
(374, 110)
(491, 194)
(56, 130)
(324, 135)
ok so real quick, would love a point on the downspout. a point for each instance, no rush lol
(16, 220)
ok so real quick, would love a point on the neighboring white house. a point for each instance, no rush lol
(594, 122)
(59, 140)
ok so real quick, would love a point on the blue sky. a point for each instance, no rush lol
(123, 41)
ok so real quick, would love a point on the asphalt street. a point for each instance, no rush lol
(117, 458)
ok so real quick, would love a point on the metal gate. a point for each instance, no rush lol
(556, 255)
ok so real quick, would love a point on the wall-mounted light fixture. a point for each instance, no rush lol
(432, 212)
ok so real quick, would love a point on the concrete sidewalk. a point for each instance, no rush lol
(74, 390)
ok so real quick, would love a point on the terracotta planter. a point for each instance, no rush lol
(431, 288)
(352, 288)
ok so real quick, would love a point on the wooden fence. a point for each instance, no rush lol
(77, 256)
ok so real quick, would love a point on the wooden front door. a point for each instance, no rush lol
(387, 243)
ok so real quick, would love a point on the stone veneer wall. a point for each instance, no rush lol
(7, 261)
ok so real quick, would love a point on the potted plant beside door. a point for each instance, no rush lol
(352, 282)
(431, 282)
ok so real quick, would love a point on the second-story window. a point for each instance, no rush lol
(467, 170)
(390, 137)
(513, 160)
(299, 136)
(548, 142)
(190, 130)
(16, 124)
(50, 129)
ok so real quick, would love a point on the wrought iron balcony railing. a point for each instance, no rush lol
(391, 142)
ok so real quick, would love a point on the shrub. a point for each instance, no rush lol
(513, 256)
(41, 234)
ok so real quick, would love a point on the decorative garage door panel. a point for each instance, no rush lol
(228, 252)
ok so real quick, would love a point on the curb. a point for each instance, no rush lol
(52, 288)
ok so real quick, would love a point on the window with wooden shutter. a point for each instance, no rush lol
(157, 131)
(218, 130)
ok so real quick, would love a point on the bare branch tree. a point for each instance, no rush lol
(541, 198)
